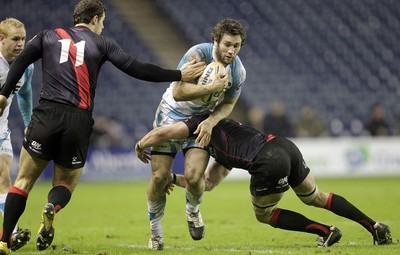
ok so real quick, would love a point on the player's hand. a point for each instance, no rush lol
(169, 188)
(191, 70)
(203, 133)
(221, 83)
(3, 104)
(143, 155)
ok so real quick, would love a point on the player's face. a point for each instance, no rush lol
(100, 24)
(228, 48)
(13, 44)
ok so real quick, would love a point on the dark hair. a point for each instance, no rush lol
(85, 10)
(230, 27)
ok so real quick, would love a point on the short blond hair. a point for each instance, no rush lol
(8, 23)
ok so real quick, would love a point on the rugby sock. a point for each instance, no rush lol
(156, 211)
(15, 204)
(2, 202)
(294, 221)
(192, 202)
(344, 208)
(59, 196)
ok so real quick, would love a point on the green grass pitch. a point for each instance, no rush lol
(111, 218)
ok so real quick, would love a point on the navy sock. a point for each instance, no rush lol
(59, 196)
(14, 208)
(294, 221)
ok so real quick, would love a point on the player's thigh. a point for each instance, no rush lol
(161, 164)
(30, 168)
(196, 161)
(308, 192)
(267, 200)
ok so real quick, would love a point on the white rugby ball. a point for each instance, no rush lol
(208, 77)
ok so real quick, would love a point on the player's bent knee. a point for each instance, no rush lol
(263, 212)
(159, 180)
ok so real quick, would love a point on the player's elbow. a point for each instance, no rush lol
(179, 95)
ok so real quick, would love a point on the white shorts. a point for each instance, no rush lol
(172, 146)
(5, 143)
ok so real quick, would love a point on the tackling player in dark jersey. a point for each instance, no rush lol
(62, 123)
(274, 163)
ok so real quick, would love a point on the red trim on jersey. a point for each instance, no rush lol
(18, 191)
(270, 137)
(81, 72)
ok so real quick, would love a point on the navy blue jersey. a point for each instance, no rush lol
(232, 144)
(72, 59)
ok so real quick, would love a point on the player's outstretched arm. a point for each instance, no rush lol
(158, 136)
(204, 129)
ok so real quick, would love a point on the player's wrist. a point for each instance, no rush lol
(137, 147)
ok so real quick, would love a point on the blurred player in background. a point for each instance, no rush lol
(182, 100)
(62, 123)
(12, 42)
(274, 163)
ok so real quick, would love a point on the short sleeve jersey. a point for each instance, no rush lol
(184, 109)
(25, 79)
(232, 144)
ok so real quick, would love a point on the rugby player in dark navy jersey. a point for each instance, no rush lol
(274, 163)
(62, 123)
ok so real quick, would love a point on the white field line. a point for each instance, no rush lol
(233, 250)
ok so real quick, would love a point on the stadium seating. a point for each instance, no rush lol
(340, 56)
(119, 96)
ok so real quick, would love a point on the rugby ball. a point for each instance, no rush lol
(208, 77)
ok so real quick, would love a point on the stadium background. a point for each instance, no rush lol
(339, 56)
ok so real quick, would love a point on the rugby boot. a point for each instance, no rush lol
(382, 234)
(196, 225)
(4, 249)
(328, 240)
(156, 243)
(19, 238)
(46, 231)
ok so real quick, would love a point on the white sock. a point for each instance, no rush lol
(156, 212)
(2, 202)
(3, 198)
(192, 202)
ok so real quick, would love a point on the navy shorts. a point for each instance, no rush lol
(60, 133)
(277, 166)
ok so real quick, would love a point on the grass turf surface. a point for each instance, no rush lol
(111, 218)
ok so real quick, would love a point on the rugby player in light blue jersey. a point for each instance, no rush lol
(12, 41)
(182, 100)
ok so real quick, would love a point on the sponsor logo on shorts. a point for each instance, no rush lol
(36, 147)
(283, 182)
(75, 161)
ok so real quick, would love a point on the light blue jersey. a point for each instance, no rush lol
(170, 111)
(23, 91)
(183, 109)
